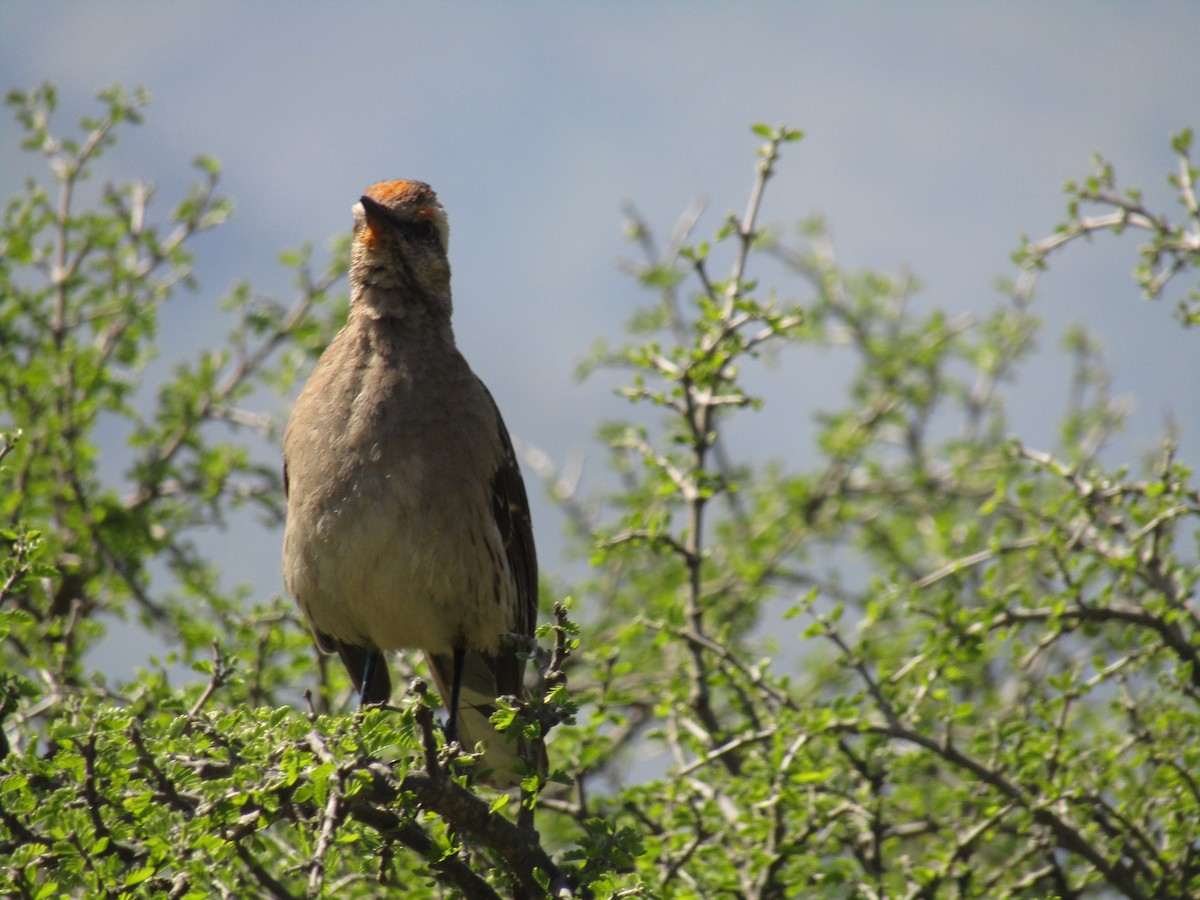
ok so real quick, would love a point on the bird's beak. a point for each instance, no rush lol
(372, 208)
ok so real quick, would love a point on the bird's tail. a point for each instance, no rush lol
(368, 669)
(484, 678)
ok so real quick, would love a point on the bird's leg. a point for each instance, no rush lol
(368, 671)
(456, 677)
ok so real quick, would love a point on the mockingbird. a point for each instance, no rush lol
(407, 520)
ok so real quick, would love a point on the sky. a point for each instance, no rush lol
(937, 134)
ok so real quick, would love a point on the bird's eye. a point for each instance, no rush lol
(426, 230)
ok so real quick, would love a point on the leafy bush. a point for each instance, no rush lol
(939, 663)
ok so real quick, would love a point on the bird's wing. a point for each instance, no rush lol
(510, 508)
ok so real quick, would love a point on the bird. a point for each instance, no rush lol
(408, 524)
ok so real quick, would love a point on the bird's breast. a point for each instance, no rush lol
(391, 539)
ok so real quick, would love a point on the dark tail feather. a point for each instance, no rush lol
(484, 678)
(378, 686)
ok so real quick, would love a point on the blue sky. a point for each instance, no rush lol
(937, 134)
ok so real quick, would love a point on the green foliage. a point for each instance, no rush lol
(1171, 248)
(961, 703)
(937, 663)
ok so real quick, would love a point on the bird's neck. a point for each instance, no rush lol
(403, 321)
(402, 309)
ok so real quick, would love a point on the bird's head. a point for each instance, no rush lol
(398, 261)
